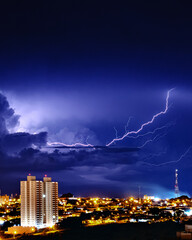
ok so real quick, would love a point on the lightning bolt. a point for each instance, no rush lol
(157, 137)
(144, 124)
(126, 126)
(69, 145)
(169, 162)
(151, 132)
(116, 133)
(128, 122)
(155, 155)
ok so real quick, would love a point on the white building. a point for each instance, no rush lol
(39, 202)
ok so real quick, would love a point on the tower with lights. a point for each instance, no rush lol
(176, 183)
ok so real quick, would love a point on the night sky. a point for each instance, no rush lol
(88, 71)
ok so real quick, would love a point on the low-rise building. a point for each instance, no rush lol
(16, 230)
(187, 234)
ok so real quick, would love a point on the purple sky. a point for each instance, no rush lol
(74, 72)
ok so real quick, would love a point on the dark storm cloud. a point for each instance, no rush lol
(37, 160)
(15, 142)
(8, 118)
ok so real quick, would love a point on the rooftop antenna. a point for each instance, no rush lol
(176, 184)
(139, 192)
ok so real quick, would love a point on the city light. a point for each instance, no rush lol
(103, 211)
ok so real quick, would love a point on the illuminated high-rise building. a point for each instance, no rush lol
(50, 201)
(39, 202)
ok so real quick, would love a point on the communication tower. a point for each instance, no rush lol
(176, 183)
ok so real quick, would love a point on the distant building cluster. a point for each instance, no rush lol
(4, 199)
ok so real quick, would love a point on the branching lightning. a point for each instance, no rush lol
(157, 137)
(144, 124)
(127, 124)
(169, 162)
(116, 133)
(151, 132)
(126, 134)
(153, 155)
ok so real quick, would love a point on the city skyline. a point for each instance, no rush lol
(86, 74)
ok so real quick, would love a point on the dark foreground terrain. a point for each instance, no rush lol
(131, 231)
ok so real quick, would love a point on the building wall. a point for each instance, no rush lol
(39, 203)
(24, 212)
(48, 203)
(31, 200)
(55, 201)
(188, 228)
